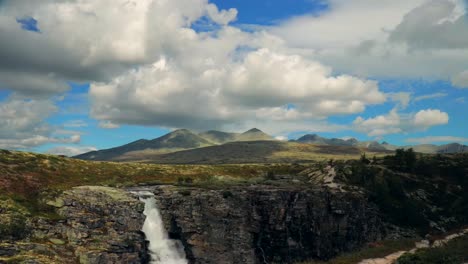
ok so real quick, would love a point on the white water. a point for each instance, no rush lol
(162, 249)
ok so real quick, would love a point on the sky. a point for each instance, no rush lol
(81, 75)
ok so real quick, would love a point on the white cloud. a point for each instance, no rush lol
(436, 139)
(394, 122)
(35, 140)
(113, 36)
(437, 24)
(148, 66)
(281, 138)
(75, 123)
(389, 39)
(430, 117)
(108, 125)
(403, 98)
(222, 17)
(346, 23)
(22, 124)
(70, 150)
(258, 87)
(460, 80)
(430, 96)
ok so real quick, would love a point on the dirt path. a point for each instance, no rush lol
(421, 244)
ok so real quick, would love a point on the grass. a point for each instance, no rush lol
(455, 252)
(372, 250)
(30, 179)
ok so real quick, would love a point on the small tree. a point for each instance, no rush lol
(405, 160)
(364, 159)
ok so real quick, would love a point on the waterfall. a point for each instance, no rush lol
(162, 249)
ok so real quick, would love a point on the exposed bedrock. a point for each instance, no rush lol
(266, 224)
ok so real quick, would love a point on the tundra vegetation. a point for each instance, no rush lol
(421, 192)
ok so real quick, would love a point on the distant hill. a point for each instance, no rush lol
(184, 146)
(181, 139)
(452, 148)
(254, 134)
(258, 152)
(316, 139)
(431, 148)
(177, 140)
(220, 137)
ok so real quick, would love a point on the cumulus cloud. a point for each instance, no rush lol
(147, 64)
(113, 37)
(460, 80)
(430, 117)
(433, 25)
(173, 94)
(150, 68)
(70, 150)
(22, 124)
(436, 139)
(409, 39)
(394, 122)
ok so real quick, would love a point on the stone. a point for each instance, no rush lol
(57, 241)
(269, 224)
(58, 202)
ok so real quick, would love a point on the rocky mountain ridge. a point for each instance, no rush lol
(186, 140)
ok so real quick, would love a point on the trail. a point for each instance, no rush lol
(389, 259)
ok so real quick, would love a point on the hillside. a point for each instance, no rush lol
(316, 139)
(386, 198)
(376, 146)
(177, 140)
(226, 147)
(260, 152)
(220, 137)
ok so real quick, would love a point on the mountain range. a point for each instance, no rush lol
(185, 146)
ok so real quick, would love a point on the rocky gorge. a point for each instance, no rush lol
(288, 213)
(257, 224)
(264, 224)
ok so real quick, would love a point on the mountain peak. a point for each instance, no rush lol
(253, 130)
(308, 137)
(181, 131)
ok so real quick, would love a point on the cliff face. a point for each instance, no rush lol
(256, 224)
(264, 224)
(95, 225)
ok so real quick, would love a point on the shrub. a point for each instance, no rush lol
(227, 194)
(14, 227)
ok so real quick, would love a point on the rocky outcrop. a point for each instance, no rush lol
(95, 225)
(266, 224)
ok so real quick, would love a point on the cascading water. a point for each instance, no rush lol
(162, 249)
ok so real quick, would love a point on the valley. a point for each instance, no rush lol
(60, 210)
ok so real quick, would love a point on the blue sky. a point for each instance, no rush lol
(107, 96)
(272, 11)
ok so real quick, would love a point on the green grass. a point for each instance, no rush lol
(29, 180)
(372, 250)
(455, 252)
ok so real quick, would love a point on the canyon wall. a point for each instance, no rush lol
(266, 224)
